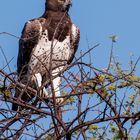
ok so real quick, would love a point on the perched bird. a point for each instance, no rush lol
(47, 44)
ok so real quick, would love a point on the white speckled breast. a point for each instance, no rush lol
(46, 52)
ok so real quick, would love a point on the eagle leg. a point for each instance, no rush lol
(42, 93)
(56, 84)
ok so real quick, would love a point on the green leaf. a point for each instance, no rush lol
(114, 38)
(7, 93)
(112, 87)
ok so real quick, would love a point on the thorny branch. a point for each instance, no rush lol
(101, 101)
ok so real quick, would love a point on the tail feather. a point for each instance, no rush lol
(14, 107)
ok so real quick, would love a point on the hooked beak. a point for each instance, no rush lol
(70, 4)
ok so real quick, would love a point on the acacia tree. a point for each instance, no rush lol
(98, 103)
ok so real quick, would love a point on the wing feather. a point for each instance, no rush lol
(75, 37)
(29, 39)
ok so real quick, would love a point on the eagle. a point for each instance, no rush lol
(46, 46)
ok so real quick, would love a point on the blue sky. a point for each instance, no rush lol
(97, 19)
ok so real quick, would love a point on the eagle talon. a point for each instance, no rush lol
(59, 100)
(45, 47)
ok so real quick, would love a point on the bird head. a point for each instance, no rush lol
(58, 5)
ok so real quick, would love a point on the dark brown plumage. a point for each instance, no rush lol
(38, 35)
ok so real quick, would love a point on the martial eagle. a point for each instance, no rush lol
(47, 44)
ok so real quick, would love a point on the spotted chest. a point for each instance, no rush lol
(48, 54)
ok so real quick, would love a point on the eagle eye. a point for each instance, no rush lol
(61, 1)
